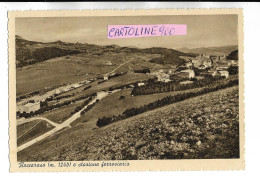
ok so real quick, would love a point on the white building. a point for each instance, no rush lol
(163, 77)
(186, 82)
(141, 84)
(216, 73)
(190, 72)
(108, 63)
(106, 77)
(31, 107)
(224, 73)
(57, 91)
(189, 64)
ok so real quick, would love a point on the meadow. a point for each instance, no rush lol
(34, 129)
(118, 102)
(61, 114)
(71, 69)
(194, 128)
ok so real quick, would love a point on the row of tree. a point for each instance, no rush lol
(26, 56)
(78, 108)
(27, 95)
(145, 70)
(165, 101)
(160, 87)
(88, 108)
(116, 75)
(45, 107)
(88, 87)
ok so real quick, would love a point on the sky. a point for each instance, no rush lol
(202, 30)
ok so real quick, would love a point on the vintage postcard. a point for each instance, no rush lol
(126, 90)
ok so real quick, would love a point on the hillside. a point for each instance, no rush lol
(31, 52)
(195, 128)
(170, 56)
(218, 51)
(233, 55)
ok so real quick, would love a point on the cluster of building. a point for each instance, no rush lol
(215, 65)
(161, 75)
(33, 104)
(165, 75)
(207, 64)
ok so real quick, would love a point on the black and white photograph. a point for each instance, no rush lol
(82, 96)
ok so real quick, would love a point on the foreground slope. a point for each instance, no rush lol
(206, 126)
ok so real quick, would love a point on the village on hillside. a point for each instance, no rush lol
(197, 69)
(194, 69)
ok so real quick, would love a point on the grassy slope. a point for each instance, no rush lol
(47, 74)
(165, 133)
(61, 114)
(73, 68)
(34, 131)
(60, 70)
(118, 81)
(112, 105)
(21, 129)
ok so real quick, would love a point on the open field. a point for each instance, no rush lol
(194, 128)
(114, 105)
(21, 129)
(49, 74)
(34, 129)
(70, 69)
(118, 81)
(61, 114)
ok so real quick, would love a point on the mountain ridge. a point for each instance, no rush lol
(218, 50)
(27, 52)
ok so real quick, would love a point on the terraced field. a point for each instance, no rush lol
(194, 128)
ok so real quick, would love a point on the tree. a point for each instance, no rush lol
(233, 55)
(233, 70)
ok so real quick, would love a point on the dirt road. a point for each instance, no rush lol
(100, 95)
(116, 68)
(24, 120)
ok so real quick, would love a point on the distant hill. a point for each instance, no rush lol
(31, 52)
(171, 56)
(233, 55)
(218, 51)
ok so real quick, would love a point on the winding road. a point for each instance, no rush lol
(106, 74)
(58, 127)
(24, 120)
(100, 95)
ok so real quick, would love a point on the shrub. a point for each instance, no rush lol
(121, 97)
